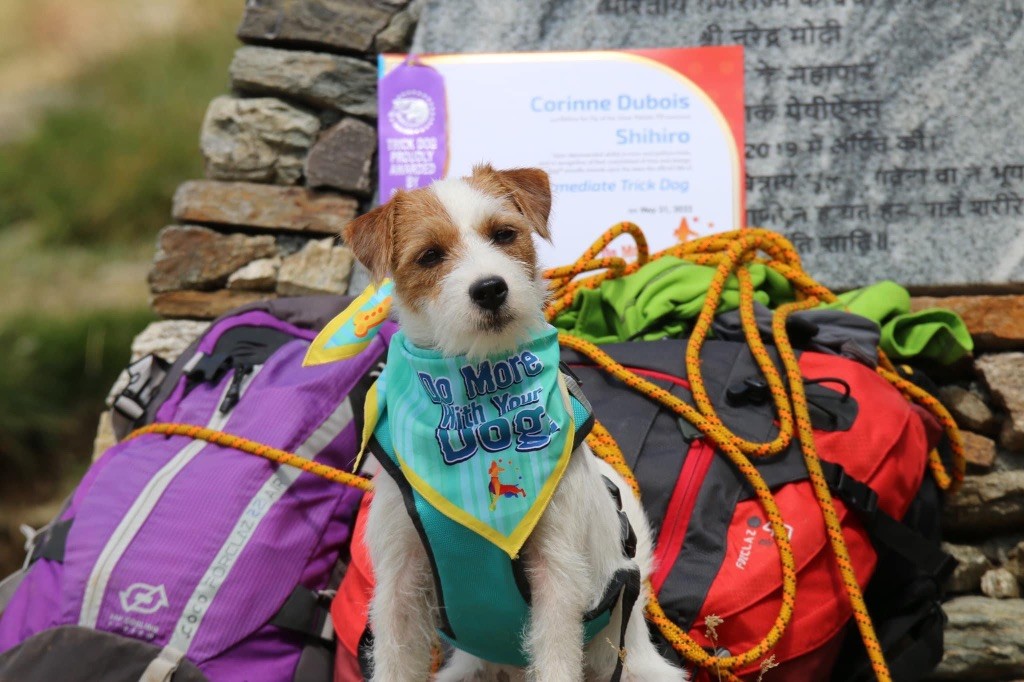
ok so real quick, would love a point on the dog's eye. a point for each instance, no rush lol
(505, 235)
(430, 258)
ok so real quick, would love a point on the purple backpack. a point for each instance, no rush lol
(176, 559)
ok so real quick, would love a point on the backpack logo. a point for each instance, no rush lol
(143, 598)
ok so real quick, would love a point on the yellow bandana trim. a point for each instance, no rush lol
(510, 544)
(354, 328)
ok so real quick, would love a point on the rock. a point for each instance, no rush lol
(260, 140)
(397, 36)
(342, 158)
(999, 583)
(319, 268)
(979, 451)
(921, 205)
(204, 305)
(264, 206)
(345, 25)
(325, 81)
(971, 565)
(986, 503)
(194, 257)
(1008, 461)
(259, 275)
(1015, 562)
(1004, 376)
(969, 410)
(982, 639)
(167, 339)
(995, 322)
(289, 243)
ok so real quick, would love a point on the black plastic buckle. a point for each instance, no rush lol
(856, 494)
(751, 391)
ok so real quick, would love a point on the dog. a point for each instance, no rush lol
(498, 489)
(466, 279)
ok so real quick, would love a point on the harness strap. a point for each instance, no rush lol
(629, 578)
(626, 532)
(630, 593)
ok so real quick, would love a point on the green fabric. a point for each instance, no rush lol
(481, 598)
(935, 334)
(662, 299)
(659, 301)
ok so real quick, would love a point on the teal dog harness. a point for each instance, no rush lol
(477, 449)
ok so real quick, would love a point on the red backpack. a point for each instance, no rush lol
(716, 560)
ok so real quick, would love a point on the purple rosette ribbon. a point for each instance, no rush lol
(412, 127)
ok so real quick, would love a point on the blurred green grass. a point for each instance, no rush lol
(52, 384)
(101, 169)
(82, 197)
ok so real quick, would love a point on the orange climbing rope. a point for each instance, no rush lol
(731, 254)
(253, 448)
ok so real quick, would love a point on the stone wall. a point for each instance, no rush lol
(984, 523)
(290, 158)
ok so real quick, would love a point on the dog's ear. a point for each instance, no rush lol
(371, 237)
(528, 188)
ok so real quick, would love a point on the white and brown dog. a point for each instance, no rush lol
(467, 282)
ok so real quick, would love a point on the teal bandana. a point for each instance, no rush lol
(485, 443)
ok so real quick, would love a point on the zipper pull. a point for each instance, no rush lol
(234, 392)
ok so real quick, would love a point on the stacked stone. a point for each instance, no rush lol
(290, 158)
(984, 523)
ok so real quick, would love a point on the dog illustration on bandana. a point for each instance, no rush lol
(499, 489)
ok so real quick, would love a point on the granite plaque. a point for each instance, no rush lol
(884, 138)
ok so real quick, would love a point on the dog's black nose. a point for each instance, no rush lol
(489, 293)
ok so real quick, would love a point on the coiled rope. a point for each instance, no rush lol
(731, 253)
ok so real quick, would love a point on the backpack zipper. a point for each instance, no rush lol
(688, 485)
(147, 499)
(234, 392)
(680, 508)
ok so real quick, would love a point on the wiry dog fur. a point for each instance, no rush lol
(435, 243)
